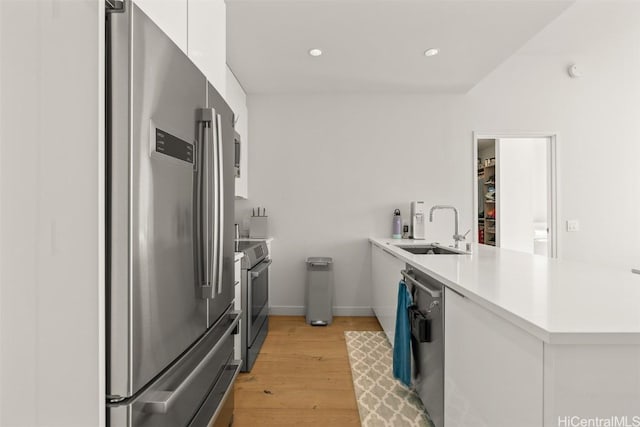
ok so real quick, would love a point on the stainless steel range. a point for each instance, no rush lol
(255, 300)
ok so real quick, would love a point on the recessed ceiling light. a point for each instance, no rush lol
(431, 52)
(315, 52)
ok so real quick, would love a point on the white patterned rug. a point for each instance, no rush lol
(382, 400)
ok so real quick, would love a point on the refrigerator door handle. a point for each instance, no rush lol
(220, 201)
(199, 209)
(160, 402)
(215, 226)
(206, 123)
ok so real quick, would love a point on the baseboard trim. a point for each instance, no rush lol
(287, 310)
(352, 311)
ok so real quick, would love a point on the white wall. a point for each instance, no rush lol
(51, 213)
(540, 175)
(595, 118)
(522, 191)
(331, 168)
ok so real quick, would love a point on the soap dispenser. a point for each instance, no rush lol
(397, 225)
(417, 220)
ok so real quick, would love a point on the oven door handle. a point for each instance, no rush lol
(255, 272)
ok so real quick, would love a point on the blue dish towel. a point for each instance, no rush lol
(402, 340)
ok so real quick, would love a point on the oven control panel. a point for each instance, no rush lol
(258, 251)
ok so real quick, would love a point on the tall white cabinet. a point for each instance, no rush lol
(52, 213)
(237, 99)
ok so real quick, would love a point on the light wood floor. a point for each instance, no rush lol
(302, 376)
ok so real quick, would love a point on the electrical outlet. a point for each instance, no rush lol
(573, 225)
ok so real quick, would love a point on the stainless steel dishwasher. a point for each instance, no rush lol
(427, 341)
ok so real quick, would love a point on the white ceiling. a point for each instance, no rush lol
(377, 45)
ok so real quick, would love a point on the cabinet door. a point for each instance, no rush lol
(385, 275)
(170, 16)
(591, 381)
(207, 36)
(493, 370)
(237, 306)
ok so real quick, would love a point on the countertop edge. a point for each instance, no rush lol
(255, 239)
(548, 337)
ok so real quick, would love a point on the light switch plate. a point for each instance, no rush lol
(573, 225)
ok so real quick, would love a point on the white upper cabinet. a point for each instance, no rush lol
(207, 40)
(199, 28)
(237, 99)
(170, 16)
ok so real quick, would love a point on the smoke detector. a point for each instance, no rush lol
(574, 71)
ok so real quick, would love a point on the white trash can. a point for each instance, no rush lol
(319, 293)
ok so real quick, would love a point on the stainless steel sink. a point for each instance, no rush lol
(430, 250)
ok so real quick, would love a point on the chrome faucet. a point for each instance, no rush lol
(456, 236)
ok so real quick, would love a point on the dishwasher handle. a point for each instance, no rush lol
(434, 293)
(257, 271)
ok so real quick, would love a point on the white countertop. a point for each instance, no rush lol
(255, 239)
(560, 302)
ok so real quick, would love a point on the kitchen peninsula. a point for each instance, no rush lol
(529, 341)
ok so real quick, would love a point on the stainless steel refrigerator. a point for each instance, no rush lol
(170, 164)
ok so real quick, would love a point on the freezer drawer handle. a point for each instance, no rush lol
(235, 365)
(432, 292)
(160, 402)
